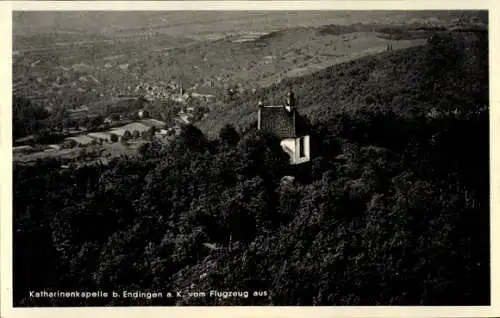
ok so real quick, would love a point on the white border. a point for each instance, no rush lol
(6, 309)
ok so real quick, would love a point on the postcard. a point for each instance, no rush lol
(266, 158)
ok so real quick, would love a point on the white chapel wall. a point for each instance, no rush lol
(293, 149)
(289, 144)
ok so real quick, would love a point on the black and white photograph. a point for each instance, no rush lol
(250, 158)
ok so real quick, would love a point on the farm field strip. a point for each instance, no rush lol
(397, 45)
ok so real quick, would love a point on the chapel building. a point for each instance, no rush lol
(285, 122)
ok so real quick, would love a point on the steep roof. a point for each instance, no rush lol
(282, 122)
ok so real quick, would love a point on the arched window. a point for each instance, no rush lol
(302, 152)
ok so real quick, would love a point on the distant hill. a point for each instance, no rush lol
(207, 51)
(260, 59)
(409, 82)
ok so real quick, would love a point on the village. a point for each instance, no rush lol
(125, 124)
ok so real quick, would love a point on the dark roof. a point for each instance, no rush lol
(281, 122)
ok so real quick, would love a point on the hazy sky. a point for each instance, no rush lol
(31, 23)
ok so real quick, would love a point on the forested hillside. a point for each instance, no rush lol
(450, 72)
(27, 118)
(393, 209)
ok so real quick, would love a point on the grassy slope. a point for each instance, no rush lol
(392, 80)
(270, 57)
